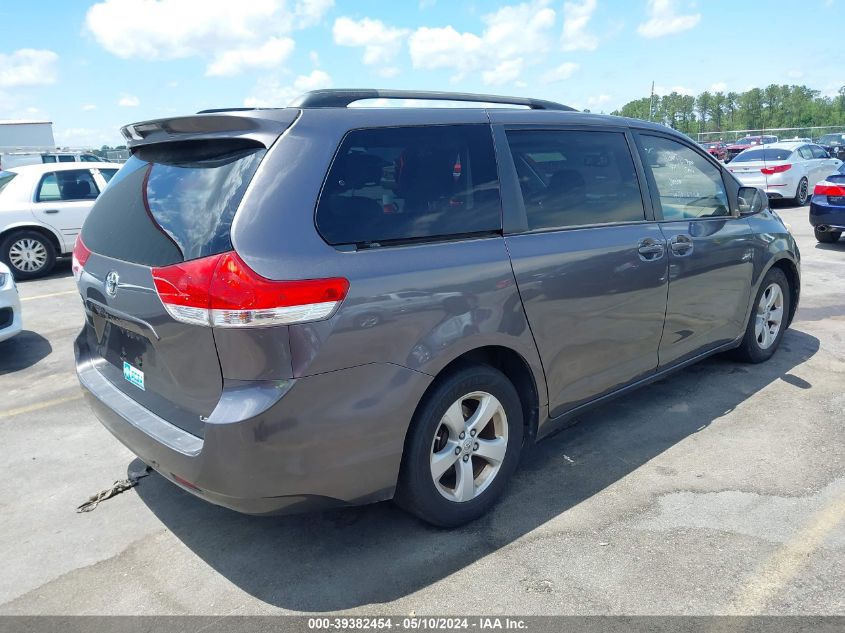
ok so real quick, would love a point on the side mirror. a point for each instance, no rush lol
(751, 200)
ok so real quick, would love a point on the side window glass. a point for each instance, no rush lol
(688, 185)
(64, 158)
(575, 178)
(48, 190)
(818, 152)
(68, 185)
(805, 152)
(410, 183)
(47, 158)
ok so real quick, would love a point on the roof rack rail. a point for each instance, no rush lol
(216, 110)
(342, 98)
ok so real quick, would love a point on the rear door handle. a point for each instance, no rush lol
(51, 211)
(681, 245)
(650, 249)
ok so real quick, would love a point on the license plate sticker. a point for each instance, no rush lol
(133, 375)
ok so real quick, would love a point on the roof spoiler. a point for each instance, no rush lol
(234, 124)
(342, 98)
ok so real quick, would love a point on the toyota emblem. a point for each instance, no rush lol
(112, 280)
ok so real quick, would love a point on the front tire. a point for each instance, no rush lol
(802, 193)
(827, 237)
(462, 447)
(768, 319)
(28, 254)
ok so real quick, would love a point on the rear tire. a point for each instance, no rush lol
(762, 338)
(802, 193)
(827, 237)
(432, 484)
(28, 254)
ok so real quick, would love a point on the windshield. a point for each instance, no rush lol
(5, 179)
(763, 154)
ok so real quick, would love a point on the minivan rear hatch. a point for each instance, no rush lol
(172, 202)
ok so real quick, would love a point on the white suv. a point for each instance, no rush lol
(42, 208)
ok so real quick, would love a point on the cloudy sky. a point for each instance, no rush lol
(92, 66)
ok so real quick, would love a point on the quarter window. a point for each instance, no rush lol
(575, 178)
(688, 185)
(67, 185)
(410, 183)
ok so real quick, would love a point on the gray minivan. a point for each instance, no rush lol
(315, 305)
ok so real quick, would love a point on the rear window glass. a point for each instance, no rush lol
(172, 202)
(6, 178)
(410, 183)
(763, 154)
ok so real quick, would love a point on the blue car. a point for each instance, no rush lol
(827, 207)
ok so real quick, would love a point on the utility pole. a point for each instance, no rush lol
(651, 104)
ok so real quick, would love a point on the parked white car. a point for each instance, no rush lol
(42, 208)
(10, 305)
(784, 170)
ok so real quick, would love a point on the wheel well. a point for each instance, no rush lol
(512, 365)
(791, 271)
(38, 229)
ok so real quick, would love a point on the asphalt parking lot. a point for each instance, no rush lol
(720, 489)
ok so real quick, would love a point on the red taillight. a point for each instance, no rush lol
(825, 188)
(777, 169)
(80, 256)
(223, 291)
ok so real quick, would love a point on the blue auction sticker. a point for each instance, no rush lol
(133, 375)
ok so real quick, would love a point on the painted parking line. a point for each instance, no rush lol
(788, 560)
(46, 404)
(52, 294)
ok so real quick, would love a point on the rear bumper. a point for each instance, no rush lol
(824, 214)
(271, 447)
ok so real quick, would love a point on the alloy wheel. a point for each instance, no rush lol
(469, 446)
(769, 316)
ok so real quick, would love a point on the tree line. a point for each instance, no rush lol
(775, 106)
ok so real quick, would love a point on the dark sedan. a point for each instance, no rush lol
(827, 207)
(834, 144)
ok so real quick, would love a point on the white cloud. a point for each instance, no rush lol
(504, 72)
(564, 71)
(87, 137)
(511, 34)
(314, 56)
(27, 67)
(128, 101)
(719, 86)
(88, 107)
(681, 90)
(271, 93)
(795, 73)
(269, 55)
(221, 29)
(576, 15)
(310, 12)
(381, 43)
(663, 19)
(388, 72)
(598, 101)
